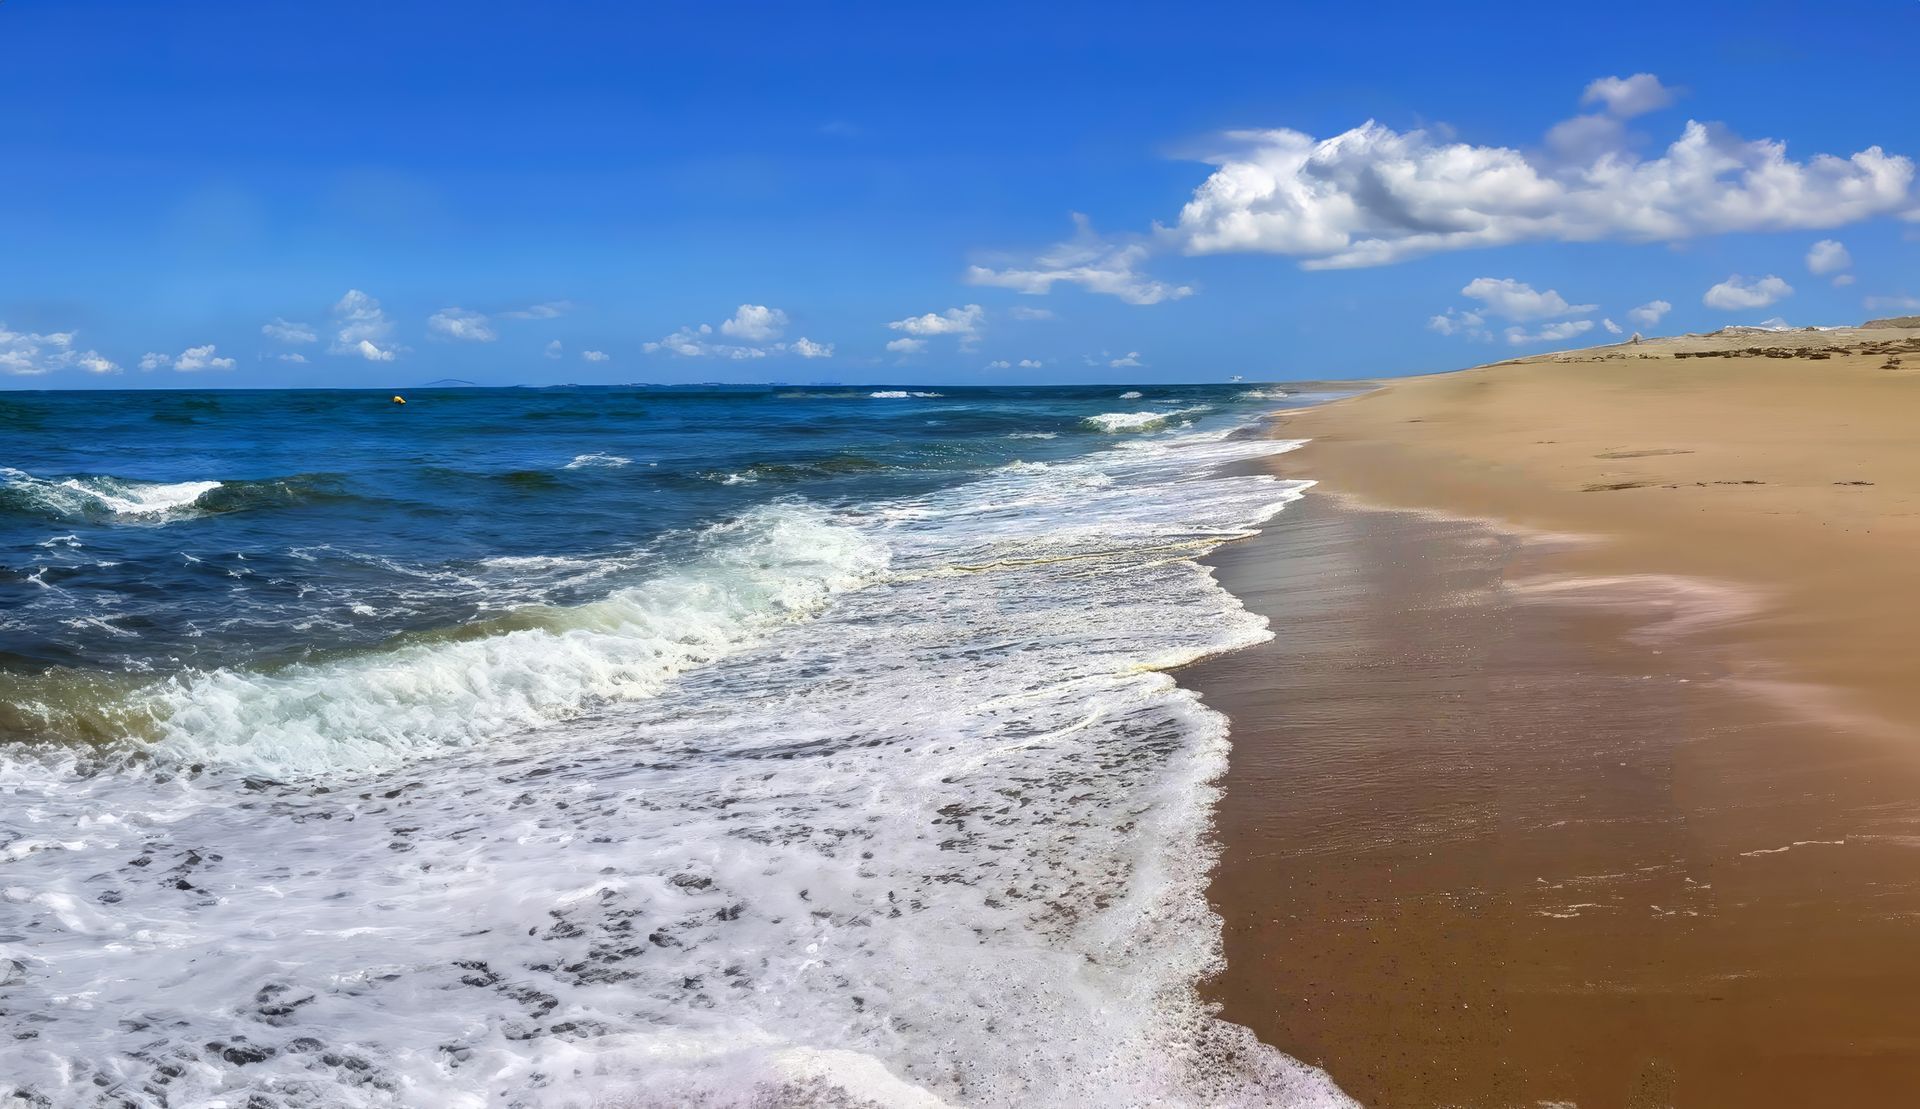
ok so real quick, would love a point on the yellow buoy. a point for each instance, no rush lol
(398, 399)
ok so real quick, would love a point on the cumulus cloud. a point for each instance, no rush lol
(1454, 322)
(362, 328)
(1737, 293)
(1627, 97)
(194, 359)
(755, 323)
(954, 321)
(1517, 300)
(1088, 260)
(546, 311)
(1024, 363)
(191, 360)
(1022, 312)
(1649, 314)
(999, 364)
(1373, 195)
(286, 331)
(301, 358)
(595, 356)
(907, 346)
(555, 349)
(752, 325)
(1612, 328)
(1551, 333)
(1131, 358)
(30, 354)
(458, 323)
(1828, 256)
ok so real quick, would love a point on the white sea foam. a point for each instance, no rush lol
(597, 460)
(81, 497)
(1033, 435)
(1262, 394)
(373, 712)
(901, 394)
(1131, 394)
(906, 812)
(1112, 422)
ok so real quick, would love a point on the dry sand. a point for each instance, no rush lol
(1628, 820)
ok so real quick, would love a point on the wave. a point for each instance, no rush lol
(1033, 435)
(105, 498)
(904, 809)
(1114, 422)
(839, 465)
(1262, 394)
(597, 460)
(1131, 394)
(535, 667)
(900, 394)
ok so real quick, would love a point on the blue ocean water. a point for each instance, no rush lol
(157, 531)
(640, 746)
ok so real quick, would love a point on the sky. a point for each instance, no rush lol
(263, 193)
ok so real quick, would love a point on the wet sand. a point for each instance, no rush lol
(1633, 820)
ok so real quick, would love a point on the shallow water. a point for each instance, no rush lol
(630, 746)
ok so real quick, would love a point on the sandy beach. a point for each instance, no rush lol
(1582, 769)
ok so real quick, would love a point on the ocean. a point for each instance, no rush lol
(620, 746)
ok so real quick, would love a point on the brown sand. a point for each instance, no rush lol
(1633, 821)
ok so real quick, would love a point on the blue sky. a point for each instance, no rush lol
(387, 194)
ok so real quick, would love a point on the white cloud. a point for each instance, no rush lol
(1029, 363)
(363, 328)
(596, 356)
(1828, 256)
(30, 354)
(907, 346)
(1551, 333)
(286, 331)
(301, 358)
(555, 349)
(1629, 96)
(1087, 260)
(1452, 322)
(1131, 358)
(546, 311)
(755, 323)
(1842, 280)
(1895, 303)
(191, 360)
(1517, 300)
(954, 321)
(1648, 314)
(1736, 293)
(194, 359)
(1612, 328)
(999, 364)
(1372, 195)
(458, 323)
(1022, 312)
(752, 323)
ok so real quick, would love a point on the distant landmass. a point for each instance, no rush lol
(451, 383)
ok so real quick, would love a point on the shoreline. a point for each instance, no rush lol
(1544, 795)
